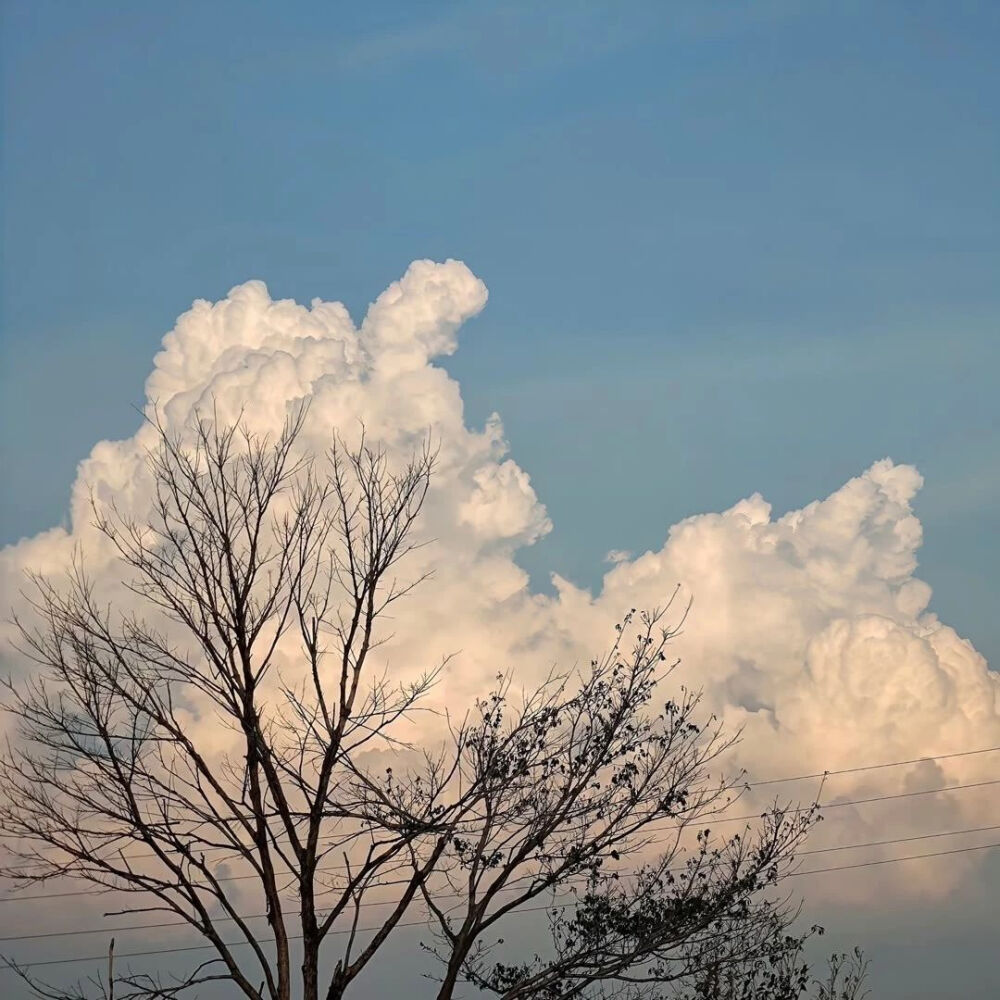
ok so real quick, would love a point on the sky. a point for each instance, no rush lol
(730, 249)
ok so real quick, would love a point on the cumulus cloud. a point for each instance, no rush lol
(810, 630)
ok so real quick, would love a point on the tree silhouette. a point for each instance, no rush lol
(265, 575)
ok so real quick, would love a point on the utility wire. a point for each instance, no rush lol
(892, 861)
(873, 767)
(897, 840)
(831, 805)
(650, 829)
(418, 923)
(388, 902)
(753, 784)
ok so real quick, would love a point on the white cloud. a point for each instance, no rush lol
(616, 556)
(809, 630)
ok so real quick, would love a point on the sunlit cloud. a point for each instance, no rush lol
(810, 631)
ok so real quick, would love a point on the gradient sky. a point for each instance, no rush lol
(730, 246)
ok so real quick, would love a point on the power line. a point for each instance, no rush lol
(892, 861)
(418, 923)
(837, 805)
(873, 767)
(755, 784)
(387, 902)
(900, 840)
(650, 829)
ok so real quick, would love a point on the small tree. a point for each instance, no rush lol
(578, 797)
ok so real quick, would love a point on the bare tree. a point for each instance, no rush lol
(574, 792)
(578, 797)
(777, 970)
(846, 977)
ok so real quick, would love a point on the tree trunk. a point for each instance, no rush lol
(310, 972)
(450, 981)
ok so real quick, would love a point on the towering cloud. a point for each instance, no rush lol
(810, 631)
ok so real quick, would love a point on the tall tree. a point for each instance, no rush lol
(266, 575)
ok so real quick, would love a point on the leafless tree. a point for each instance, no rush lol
(579, 798)
(846, 977)
(776, 969)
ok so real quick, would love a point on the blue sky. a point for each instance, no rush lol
(730, 247)
(751, 246)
